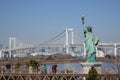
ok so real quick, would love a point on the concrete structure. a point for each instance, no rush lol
(87, 66)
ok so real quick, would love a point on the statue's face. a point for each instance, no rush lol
(89, 29)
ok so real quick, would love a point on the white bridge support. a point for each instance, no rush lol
(67, 38)
(12, 44)
(1, 54)
(115, 49)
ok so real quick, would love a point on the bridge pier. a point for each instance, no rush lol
(87, 66)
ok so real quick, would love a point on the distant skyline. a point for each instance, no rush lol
(37, 21)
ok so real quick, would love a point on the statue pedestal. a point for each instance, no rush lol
(87, 66)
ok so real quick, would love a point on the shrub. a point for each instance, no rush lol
(17, 65)
(32, 63)
(92, 74)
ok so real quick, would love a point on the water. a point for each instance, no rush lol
(107, 67)
(110, 67)
(75, 67)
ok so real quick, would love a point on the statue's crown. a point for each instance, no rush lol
(89, 29)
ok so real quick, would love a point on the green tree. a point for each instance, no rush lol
(32, 63)
(17, 65)
(92, 74)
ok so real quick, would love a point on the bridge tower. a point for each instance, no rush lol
(1, 54)
(12, 42)
(68, 30)
(115, 49)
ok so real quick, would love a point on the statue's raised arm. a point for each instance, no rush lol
(84, 27)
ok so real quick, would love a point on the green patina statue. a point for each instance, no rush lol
(90, 43)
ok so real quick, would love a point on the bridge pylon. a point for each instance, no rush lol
(12, 44)
(69, 30)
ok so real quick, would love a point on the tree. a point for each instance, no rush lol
(17, 67)
(32, 65)
(92, 74)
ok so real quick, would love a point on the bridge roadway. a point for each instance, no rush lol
(42, 45)
(61, 61)
(103, 45)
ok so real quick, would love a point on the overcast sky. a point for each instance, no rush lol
(36, 21)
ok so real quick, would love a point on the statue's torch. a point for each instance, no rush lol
(83, 20)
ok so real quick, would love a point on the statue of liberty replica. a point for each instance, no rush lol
(91, 41)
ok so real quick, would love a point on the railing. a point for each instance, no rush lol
(12, 76)
(24, 74)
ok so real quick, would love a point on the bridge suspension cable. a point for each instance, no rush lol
(78, 37)
(57, 39)
(62, 34)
